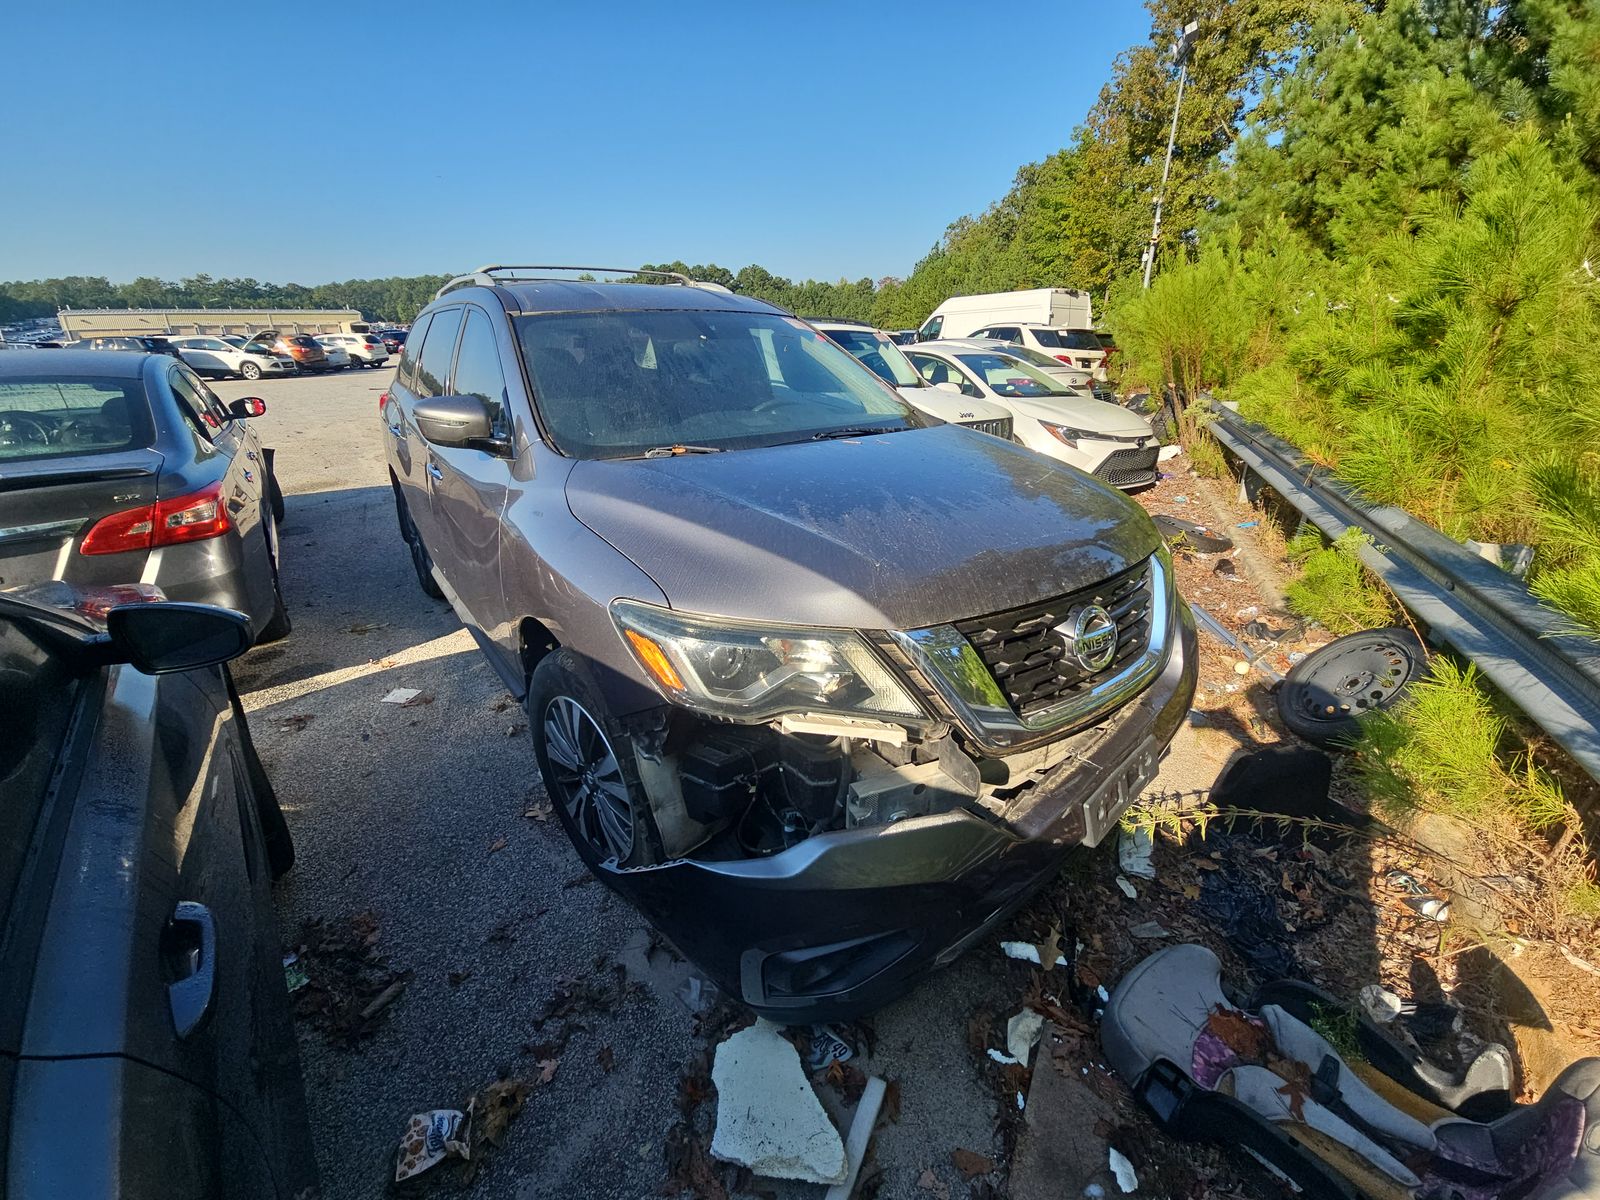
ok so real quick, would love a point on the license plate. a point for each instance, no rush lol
(1102, 810)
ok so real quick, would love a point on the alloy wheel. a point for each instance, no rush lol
(588, 779)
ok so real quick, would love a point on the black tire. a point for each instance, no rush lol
(1324, 695)
(275, 499)
(421, 560)
(592, 781)
(249, 371)
(278, 624)
(275, 833)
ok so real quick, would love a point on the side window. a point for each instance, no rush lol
(932, 329)
(478, 370)
(433, 364)
(1008, 333)
(405, 375)
(195, 401)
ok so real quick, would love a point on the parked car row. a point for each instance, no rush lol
(820, 676)
(270, 353)
(145, 987)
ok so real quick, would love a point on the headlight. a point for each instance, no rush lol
(751, 672)
(1067, 435)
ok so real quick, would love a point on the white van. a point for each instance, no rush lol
(960, 316)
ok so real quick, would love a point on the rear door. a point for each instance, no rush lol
(72, 451)
(469, 485)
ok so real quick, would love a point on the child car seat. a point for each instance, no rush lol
(1264, 1078)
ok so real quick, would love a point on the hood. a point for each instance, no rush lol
(894, 531)
(951, 406)
(1096, 415)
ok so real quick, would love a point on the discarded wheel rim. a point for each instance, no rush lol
(1324, 697)
(588, 779)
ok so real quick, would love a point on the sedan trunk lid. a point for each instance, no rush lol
(47, 507)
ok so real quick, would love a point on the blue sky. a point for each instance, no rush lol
(319, 142)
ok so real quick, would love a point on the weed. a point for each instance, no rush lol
(1207, 458)
(1340, 1029)
(1333, 587)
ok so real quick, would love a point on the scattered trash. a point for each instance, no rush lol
(1226, 569)
(1028, 952)
(1021, 1102)
(696, 993)
(1134, 848)
(429, 1139)
(1168, 453)
(1198, 718)
(294, 975)
(1249, 919)
(1180, 499)
(1241, 668)
(402, 695)
(1227, 637)
(1431, 908)
(856, 1141)
(1128, 890)
(297, 722)
(1195, 536)
(1247, 524)
(1022, 1033)
(1149, 929)
(349, 983)
(1297, 656)
(1004, 1059)
(768, 1118)
(827, 1047)
(1581, 963)
(1380, 1003)
(368, 627)
(1102, 993)
(1406, 882)
(1127, 1180)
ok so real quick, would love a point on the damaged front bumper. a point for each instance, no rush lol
(844, 921)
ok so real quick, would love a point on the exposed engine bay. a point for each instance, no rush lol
(724, 791)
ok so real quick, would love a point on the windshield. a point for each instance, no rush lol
(1068, 339)
(878, 354)
(1008, 376)
(617, 384)
(59, 418)
(1038, 358)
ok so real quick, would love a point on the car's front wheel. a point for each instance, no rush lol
(586, 759)
(250, 371)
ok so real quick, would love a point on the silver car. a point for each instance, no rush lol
(824, 687)
(217, 358)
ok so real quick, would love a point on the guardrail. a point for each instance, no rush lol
(1466, 602)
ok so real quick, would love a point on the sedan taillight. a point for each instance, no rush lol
(192, 518)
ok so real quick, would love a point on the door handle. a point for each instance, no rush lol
(433, 469)
(192, 951)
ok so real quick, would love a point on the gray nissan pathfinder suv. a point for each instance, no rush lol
(823, 686)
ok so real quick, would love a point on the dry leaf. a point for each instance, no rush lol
(606, 1058)
(929, 1182)
(1239, 1034)
(1296, 1087)
(519, 727)
(970, 1163)
(498, 844)
(299, 721)
(1191, 891)
(547, 1069)
(1049, 948)
(539, 812)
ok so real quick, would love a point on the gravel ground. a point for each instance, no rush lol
(399, 810)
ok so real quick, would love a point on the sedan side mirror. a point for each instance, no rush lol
(453, 420)
(949, 386)
(248, 406)
(166, 636)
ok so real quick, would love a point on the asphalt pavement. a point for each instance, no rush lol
(416, 814)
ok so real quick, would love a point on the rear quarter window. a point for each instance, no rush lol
(44, 418)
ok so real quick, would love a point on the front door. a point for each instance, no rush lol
(469, 485)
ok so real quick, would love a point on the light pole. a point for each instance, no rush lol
(1180, 51)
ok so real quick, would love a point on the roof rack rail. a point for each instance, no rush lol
(496, 273)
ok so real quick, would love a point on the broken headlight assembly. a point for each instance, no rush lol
(745, 671)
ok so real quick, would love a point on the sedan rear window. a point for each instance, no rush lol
(618, 384)
(1068, 339)
(305, 340)
(60, 418)
(1006, 376)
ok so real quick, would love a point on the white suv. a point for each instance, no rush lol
(216, 358)
(879, 354)
(1075, 347)
(364, 349)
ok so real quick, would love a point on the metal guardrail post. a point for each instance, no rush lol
(1467, 603)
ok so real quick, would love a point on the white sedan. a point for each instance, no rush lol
(217, 358)
(1106, 440)
(338, 356)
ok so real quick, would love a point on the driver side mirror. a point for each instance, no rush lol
(248, 406)
(165, 636)
(457, 421)
(949, 386)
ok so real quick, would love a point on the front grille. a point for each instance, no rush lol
(1029, 660)
(1000, 428)
(1104, 391)
(1129, 468)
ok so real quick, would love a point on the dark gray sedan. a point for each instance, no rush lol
(127, 468)
(146, 1047)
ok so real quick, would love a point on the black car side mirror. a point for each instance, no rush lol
(166, 636)
(454, 421)
(247, 406)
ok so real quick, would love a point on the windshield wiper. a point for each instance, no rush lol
(848, 432)
(674, 451)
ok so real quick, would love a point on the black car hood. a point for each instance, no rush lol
(894, 531)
